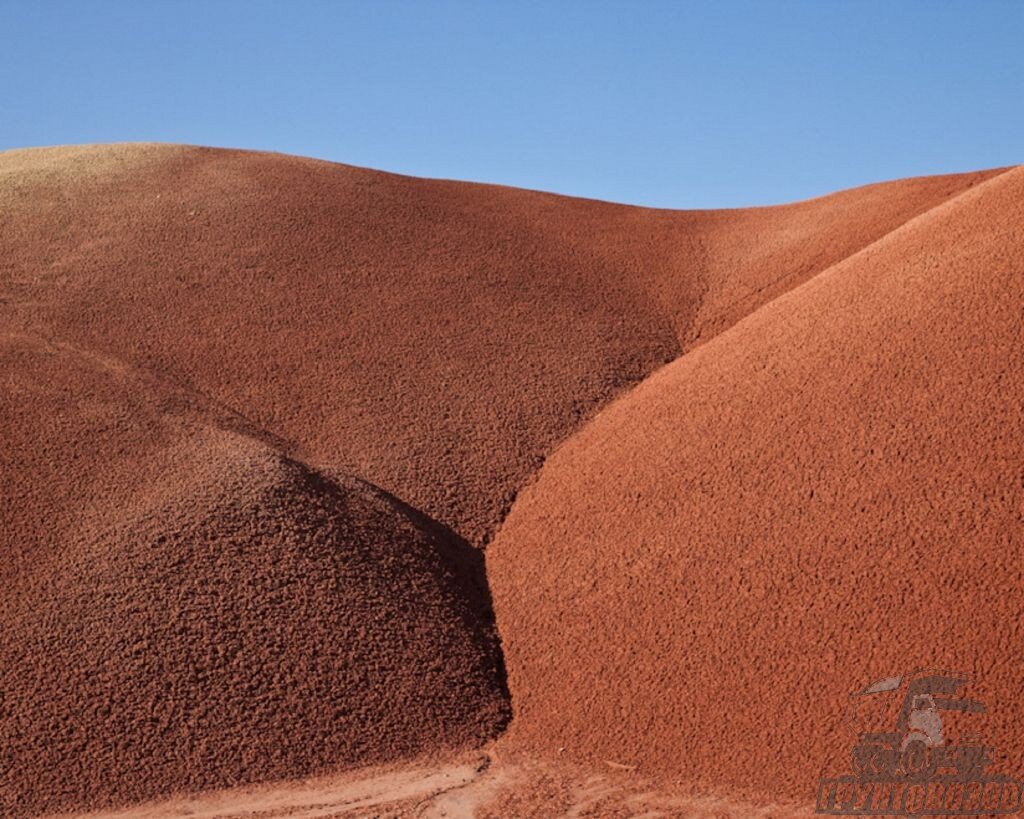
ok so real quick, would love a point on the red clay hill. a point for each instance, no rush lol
(830, 492)
(189, 608)
(262, 413)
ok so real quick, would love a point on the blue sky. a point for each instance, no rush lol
(673, 104)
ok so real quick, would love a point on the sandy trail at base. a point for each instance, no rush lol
(263, 415)
(475, 786)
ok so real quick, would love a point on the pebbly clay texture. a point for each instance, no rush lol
(261, 413)
(226, 616)
(827, 493)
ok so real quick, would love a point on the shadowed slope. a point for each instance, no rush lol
(435, 338)
(828, 492)
(221, 614)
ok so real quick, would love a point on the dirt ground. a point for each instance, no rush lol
(485, 785)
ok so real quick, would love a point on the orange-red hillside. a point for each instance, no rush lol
(188, 608)
(829, 492)
(259, 410)
(435, 338)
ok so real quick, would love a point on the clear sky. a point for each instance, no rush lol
(673, 104)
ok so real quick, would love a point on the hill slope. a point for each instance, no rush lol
(259, 409)
(826, 493)
(199, 610)
(435, 338)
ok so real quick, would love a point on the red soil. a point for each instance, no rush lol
(198, 346)
(829, 492)
(222, 614)
(435, 338)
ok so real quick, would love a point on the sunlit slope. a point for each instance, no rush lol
(828, 492)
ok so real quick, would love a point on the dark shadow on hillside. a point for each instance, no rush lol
(463, 565)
